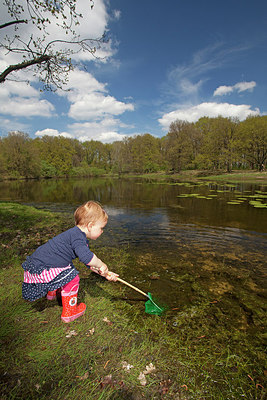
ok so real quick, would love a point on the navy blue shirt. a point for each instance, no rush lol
(62, 249)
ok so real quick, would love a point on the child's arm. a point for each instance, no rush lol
(96, 265)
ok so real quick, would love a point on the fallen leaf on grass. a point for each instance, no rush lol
(126, 366)
(107, 321)
(149, 368)
(90, 332)
(106, 364)
(142, 379)
(71, 333)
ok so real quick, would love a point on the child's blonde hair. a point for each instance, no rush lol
(91, 211)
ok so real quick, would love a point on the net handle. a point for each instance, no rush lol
(131, 286)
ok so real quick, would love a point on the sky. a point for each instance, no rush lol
(178, 59)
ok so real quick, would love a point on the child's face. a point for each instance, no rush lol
(96, 229)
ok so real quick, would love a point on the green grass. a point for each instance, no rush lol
(198, 175)
(197, 352)
(239, 177)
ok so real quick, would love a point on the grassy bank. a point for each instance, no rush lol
(115, 351)
(241, 177)
(195, 175)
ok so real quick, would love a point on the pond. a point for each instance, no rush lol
(186, 241)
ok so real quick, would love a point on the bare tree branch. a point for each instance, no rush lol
(20, 21)
(25, 64)
(51, 61)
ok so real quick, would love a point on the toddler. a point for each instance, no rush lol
(50, 269)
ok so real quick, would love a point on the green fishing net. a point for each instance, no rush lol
(151, 307)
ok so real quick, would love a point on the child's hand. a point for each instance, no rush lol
(111, 276)
(103, 270)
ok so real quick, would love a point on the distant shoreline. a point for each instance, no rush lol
(237, 176)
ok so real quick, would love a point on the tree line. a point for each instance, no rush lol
(210, 144)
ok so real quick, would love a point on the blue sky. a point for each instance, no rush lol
(165, 61)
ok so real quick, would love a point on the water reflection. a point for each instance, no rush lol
(182, 232)
(138, 198)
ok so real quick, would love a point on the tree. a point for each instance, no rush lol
(57, 152)
(228, 127)
(97, 154)
(79, 153)
(252, 140)
(20, 158)
(181, 145)
(118, 159)
(144, 153)
(50, 58)
(219, 142)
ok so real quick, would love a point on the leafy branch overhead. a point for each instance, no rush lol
(28, 41)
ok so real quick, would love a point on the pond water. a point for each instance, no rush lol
(184, 239)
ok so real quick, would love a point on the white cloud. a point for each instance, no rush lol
(103, 130)
(81, 83)
(89, 98)
(189, 88)
(94, 21)
(93, 25)
(222, 90)
(18, 89)
(116, 14)
(95, 105)
(53, 132)
(240, 87)
(104, 137)
(21, 100)
(18, 107)
(212, 110)
(8, 125)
